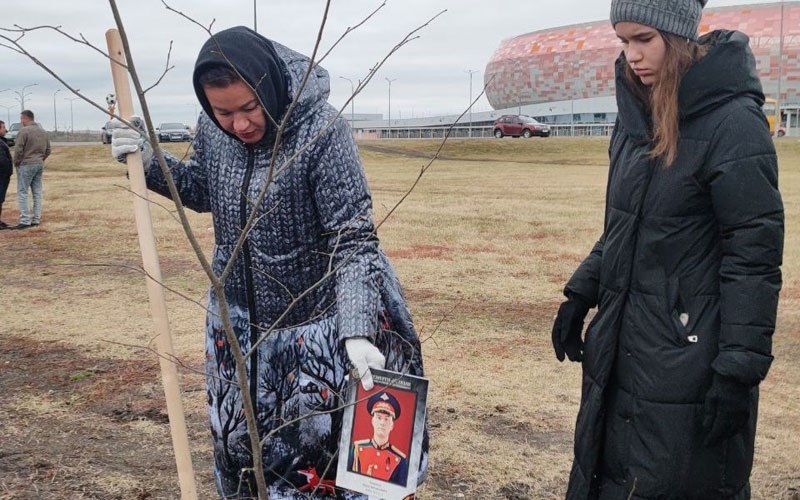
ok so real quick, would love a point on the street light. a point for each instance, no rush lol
(471, 71)
(352, 98)
(22, 95)
(55, 116)
(390, 105)
(8, 112)
(71, 122)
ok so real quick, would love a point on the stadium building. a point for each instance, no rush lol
(565, 76)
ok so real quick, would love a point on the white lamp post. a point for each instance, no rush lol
(352, 99)
(22, 95)
(71, 121)
(8, 112)
(55, 116)
(390, 105)
(470, 71)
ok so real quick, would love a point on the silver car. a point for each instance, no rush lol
(173, 132)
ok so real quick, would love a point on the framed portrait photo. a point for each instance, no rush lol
(382, 429)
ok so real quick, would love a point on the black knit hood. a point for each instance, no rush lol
(256, 60)
(727, 71)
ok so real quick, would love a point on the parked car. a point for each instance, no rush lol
(105, 135)
(173, 132)
(11, 135)
(519, 125)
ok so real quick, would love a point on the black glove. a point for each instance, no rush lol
(726, 409)
(568, 327)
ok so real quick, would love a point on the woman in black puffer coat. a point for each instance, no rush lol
(686, 274)
(316, 217)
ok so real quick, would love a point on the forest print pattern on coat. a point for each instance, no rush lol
(301, 372)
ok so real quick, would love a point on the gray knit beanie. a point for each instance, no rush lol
(680, 17)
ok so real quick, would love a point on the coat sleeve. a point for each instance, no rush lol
(19, 146)
(5, 154)
(344, 205)
(742, 175)
(190, 177)
(585, 281)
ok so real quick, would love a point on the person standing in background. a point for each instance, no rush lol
(6, 167)
(31, 149)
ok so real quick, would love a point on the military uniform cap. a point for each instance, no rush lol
(385, 402)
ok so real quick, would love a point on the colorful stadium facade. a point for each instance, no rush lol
(576, 62)
(564, 76)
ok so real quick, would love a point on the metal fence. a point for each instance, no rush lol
(476, 132)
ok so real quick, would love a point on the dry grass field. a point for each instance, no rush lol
(482, 246)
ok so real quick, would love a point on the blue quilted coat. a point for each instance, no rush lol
(316, 217)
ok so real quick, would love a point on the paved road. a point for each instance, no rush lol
(87, 143)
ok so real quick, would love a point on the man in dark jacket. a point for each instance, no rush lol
(685, 276)
(6, 167)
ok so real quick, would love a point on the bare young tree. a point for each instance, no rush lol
(230, 354)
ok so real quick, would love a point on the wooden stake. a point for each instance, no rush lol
(155, 292)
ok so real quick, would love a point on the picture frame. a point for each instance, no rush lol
(382, 430)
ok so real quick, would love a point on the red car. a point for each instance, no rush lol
(519, 125)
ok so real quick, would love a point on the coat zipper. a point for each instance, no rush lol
(248, 274)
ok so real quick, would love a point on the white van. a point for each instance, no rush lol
(11, 135)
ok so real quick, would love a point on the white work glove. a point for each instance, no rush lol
(364, 355)
(125, 140)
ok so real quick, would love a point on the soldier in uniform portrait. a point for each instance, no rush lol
(377, 457)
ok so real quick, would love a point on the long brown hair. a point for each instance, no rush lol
(662, 97)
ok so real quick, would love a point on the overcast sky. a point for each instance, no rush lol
(430, 75)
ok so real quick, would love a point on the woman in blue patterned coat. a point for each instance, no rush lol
(316, 217)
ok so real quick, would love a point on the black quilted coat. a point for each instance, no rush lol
(316, 216)
(703, 237)
(6, 165)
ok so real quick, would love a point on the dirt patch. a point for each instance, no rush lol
(540, 434)
(420, 295)
(448, 476)
(524, 315)
(104, 386)
(790, 293)
(560, 257)
(79, 427)
(422, 252)
(538, 236)
(516, 491)
(177, 267)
